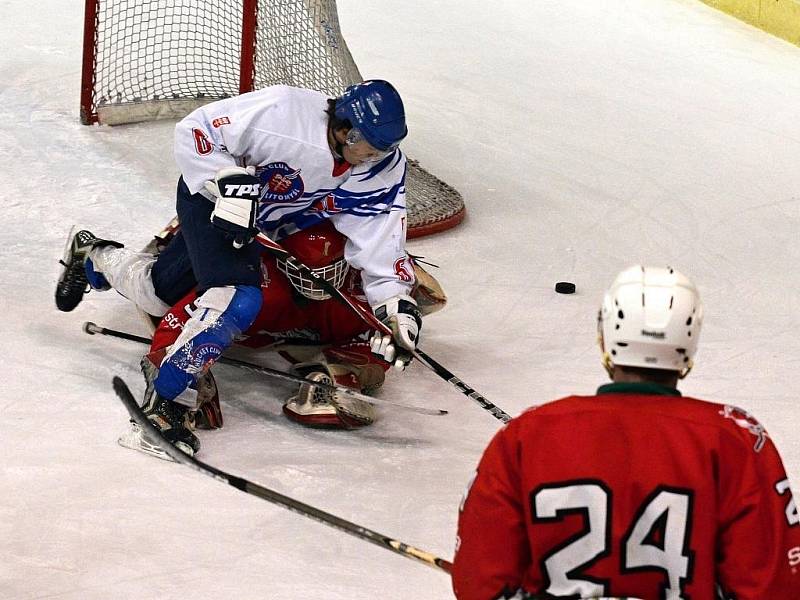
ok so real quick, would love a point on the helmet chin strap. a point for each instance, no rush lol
(606, 357)
(338, 151)
(337, 147)
(688, 368)
(608, 365)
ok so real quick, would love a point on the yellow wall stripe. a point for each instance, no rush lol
(778, 17)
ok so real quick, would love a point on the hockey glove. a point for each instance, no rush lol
(401, 314)
(237, 191)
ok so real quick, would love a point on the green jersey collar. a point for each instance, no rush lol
(647, 388)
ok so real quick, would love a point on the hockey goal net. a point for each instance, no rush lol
(154, 59)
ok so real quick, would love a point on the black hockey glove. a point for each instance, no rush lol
(237, 191)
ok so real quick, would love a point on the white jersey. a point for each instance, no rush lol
(283, 132)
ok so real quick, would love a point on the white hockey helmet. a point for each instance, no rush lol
(650, 318)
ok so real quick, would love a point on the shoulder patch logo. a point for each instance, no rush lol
(281, 182)
(220, 121)
(201, 142)
(746, 421)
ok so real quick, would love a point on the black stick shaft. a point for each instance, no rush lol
(92, 329)
(279, 251)
(483, 402)
(254, 489)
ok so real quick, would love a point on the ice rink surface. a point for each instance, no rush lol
(584, 136)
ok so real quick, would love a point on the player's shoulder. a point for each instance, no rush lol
(294, 115)
(671, 404)
(388, 172)
(286, 93)
(282, 104)
(655, 410)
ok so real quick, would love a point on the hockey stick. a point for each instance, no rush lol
(92, 329)
(280, 252)
(254, 489)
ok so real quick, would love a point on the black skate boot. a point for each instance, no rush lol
(73, 282)
(207, 413)
(169, 417)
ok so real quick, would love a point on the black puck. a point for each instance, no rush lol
(565, 287)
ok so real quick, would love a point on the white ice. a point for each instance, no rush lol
(585, 137)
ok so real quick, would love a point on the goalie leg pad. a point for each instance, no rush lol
(208, 413)
(356, 361)
(315, 407)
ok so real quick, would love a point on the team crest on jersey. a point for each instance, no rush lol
(746, 421)
(201, 357)
(326, 204)
(281, 183)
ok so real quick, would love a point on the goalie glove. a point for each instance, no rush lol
(401, 314)
(236, 191)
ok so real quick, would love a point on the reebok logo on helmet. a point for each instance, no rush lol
(660, 335)
(372, 107)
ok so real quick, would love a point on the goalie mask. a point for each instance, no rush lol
(650, 318)
(320, 248)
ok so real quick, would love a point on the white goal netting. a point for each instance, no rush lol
(153, 59)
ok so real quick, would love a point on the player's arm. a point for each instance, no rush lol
(207, 141)
(760, 529)
(491, 547)
(209, 146)
(376, 235)
(375, 246)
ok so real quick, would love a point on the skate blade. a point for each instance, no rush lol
(66, 255)
(136, 439)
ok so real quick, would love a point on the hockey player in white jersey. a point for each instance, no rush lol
(271, 161)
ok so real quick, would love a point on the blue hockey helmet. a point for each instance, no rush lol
(374, 108)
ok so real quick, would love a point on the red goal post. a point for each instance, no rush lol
(155, 59)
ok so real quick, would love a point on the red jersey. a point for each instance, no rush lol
(633, 492)
(287, 316)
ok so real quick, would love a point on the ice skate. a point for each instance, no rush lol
(170, 418)
(76, 276)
